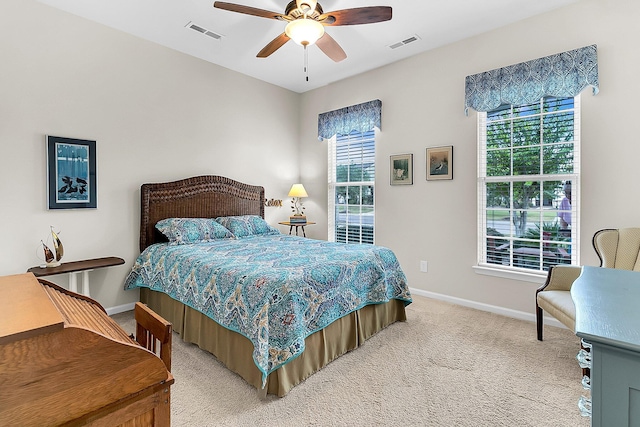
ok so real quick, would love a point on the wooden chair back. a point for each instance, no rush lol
(153, 333)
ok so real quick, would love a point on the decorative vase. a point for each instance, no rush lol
(53, 259)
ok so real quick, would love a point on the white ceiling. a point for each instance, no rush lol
(435, 22)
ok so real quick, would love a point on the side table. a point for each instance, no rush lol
(296, 225)
(73, 268)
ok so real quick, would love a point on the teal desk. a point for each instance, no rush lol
(608, 317)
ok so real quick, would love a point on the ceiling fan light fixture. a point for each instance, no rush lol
(304, 32)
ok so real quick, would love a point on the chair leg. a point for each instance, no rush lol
(539, 321)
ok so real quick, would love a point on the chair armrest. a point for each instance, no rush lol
(560, 278)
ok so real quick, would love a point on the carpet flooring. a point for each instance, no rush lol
(447, 365)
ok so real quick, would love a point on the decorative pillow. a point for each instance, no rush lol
(192, 230)
(246, 225)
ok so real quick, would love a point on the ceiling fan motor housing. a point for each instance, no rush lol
(294, 11)
(306, 6)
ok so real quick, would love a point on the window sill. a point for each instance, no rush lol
(523, 276)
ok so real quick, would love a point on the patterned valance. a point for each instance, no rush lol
(362, 118)
(562, 75)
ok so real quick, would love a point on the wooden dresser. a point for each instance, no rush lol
(64, 361)
(608, 320)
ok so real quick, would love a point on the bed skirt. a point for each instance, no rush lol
(235, 350)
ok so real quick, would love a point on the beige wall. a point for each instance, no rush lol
(159, 115)
(423, 99)
(156, 115)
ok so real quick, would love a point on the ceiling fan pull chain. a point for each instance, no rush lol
(306, 62)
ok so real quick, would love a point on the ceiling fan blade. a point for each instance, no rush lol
(273, 45)
(247, 10)
(356, 16)
(331, 48)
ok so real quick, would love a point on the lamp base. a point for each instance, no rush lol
(298, 219)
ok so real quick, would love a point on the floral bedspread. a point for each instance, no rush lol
(274, 289)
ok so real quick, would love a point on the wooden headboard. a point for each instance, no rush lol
(206, 196)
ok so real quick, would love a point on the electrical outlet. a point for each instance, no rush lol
(423, 266)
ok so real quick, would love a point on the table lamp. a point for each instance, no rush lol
(297, 192)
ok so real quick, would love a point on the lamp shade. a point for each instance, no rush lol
(297, 190)
(304, 32)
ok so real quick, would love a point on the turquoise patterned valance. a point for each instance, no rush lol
(563, 75)
(362, 118)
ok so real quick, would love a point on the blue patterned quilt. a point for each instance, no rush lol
(274, 289)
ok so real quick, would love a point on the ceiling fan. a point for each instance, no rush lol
(306, 21)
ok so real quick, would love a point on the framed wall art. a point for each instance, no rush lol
(401, 169)
(440, 163)
(71, 173)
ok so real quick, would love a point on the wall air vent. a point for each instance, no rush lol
(204, 31)
(413, 38)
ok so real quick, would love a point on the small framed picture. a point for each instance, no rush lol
(440, 163)
(402, 169)
(71, 173)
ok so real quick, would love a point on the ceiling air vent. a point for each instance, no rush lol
(204, 31)
(413, 38)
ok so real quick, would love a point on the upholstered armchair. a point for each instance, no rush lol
(616, 248)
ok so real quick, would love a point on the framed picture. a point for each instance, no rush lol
(402, 169)
(440, 163)
(71, 173)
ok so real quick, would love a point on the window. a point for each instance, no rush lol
(351, 187)
(528, 182)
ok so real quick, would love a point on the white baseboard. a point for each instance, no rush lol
(531, 317)
(120, 308)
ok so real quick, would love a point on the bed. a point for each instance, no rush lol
(271, 307)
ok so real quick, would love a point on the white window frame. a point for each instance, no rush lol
(512, 272)
(332, 184)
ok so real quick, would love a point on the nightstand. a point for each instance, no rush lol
(296, 225)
